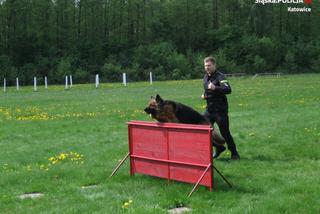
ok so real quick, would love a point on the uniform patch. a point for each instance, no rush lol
(224, 82)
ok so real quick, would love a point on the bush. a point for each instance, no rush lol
(81, 76)
(26, 74)
(5, 66)
(63, 69)
(289, 64)
(259, 64)
(315, 66)
(259, 54)
(159, 73)
(178, 66)
(223, 63)
(163, 59)
(111, 72)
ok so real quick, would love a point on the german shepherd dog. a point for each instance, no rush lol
(174, 112)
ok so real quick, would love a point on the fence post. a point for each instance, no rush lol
(150, 78)
(70, 81)
(66, 85)
(255, 76)
(46, 82)
(34, 83)
(4, 85)
(97, 80)
(124, 79)
(17, 83)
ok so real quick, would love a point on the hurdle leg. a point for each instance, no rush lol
(222, 177)
(118, 166)
(197, 184)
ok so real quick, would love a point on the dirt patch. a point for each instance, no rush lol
(179, 210)
(31, 195)
(89, 186)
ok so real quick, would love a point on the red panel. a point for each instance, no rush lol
(180, 152)
(154, 168)
(149, 142)
(189, 146)
(190, 174)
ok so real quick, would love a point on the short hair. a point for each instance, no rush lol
(210, 59)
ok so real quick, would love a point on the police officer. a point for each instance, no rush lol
(215, 89)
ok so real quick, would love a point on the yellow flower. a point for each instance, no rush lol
(62, 156)
(127, 204)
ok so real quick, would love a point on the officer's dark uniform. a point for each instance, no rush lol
(217, 109)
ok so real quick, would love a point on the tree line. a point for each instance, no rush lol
(170, 38)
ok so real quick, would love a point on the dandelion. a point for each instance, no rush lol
(127, 204)
(51, 158)
(71, 156)
(62, 156)
(44, 167)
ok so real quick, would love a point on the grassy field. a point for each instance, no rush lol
(58, 141)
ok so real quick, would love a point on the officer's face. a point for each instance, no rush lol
(209, 67)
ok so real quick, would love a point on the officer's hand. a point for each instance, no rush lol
(211, 86)
(203, 97)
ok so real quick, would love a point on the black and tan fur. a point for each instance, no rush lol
(174, 112)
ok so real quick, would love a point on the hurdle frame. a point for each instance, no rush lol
(201, 171)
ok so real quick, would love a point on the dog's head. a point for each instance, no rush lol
(161, 110)
(155, 105)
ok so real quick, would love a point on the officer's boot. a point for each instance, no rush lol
(234, 154)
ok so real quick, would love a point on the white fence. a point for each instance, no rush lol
(69, 81)
(266, 74)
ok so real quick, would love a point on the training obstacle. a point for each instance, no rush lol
(172, 151)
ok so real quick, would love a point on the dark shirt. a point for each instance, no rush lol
(216, 99)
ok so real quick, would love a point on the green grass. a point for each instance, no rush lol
(274, 121)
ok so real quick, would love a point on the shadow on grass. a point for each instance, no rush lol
(181, 189)
(223, 187)
(262, 158)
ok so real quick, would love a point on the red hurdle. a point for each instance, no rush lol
(173, 151)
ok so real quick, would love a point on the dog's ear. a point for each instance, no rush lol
(159, 99)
